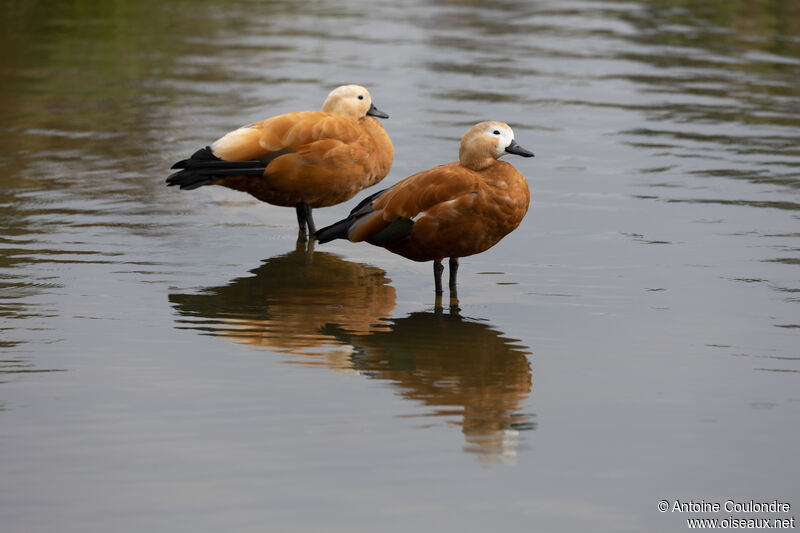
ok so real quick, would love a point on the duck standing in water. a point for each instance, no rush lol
(303, 159)
(452, 210)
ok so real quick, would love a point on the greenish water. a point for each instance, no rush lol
(177, 360)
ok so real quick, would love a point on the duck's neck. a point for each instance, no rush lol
(475, 161)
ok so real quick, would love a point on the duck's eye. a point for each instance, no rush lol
(496, 132)
(360, 96)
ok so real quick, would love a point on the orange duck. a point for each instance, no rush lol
(452, 210)
(304, 159)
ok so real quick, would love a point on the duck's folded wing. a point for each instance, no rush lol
(390, 215)
(311, 133)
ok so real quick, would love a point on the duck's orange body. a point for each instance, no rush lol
(303, 159)
(452, 210)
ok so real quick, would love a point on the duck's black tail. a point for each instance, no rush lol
(337, 230)
(204, 168)
(341, 229)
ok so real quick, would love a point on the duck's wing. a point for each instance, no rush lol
(312, 133)
(311, 143)
(387, 216)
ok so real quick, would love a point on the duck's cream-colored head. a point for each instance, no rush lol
(486, 142)
(351, 101)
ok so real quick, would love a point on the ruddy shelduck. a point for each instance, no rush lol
(452, 210)
(303, 159)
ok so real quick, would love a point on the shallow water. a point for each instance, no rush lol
(176, 360)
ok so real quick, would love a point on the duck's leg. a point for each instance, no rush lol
(438, 268)
(453, 272)
(304, 218)
(439, 310)
(301, 218)
(454, 309)
(304, 244)
(312, 229)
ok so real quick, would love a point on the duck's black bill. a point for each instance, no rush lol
(514, 148)
(375, 112)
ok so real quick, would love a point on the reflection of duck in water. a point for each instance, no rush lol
(462, 367)
(289, 298)
(316, 304)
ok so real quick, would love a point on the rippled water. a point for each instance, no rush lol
(175, 360)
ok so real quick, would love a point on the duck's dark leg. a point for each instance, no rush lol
(312, 229)
(454, 309)
(304, 218)
(438, 268)
(301, 218)
(453, 272)
(439, 310)
(304, 244)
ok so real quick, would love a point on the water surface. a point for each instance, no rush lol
(175, 360)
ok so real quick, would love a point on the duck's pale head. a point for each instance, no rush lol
(486, 142)
(351, 101)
